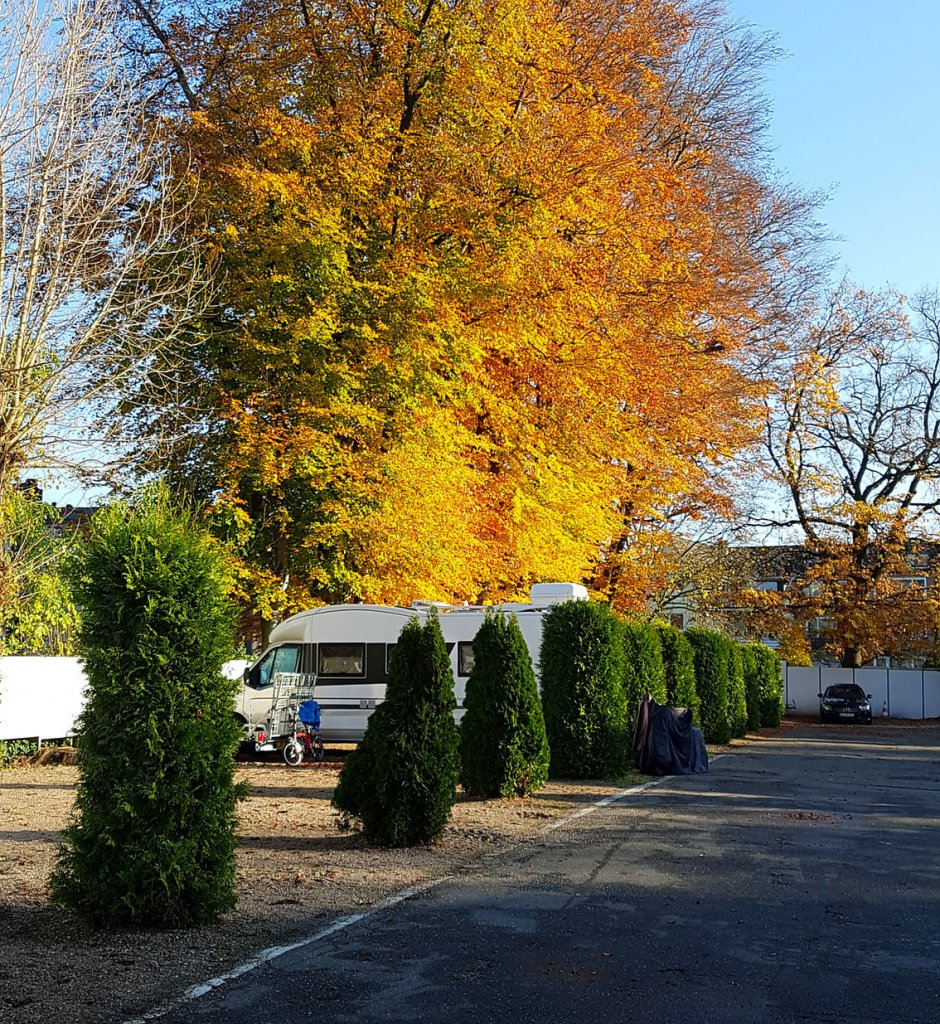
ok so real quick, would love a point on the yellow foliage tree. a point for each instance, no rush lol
(486, 274)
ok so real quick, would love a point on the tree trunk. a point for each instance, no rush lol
(851, 657)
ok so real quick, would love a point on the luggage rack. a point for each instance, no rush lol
(293, 723)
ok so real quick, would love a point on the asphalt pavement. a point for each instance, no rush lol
(798, 881)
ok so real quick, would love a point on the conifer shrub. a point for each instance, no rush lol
(400, 783)
(771, 685)
(503, 747)
(710, 655)
(752, 688)
(581, 662)
(152, 842)
(679, 665)
(644, 671)
(737, 697)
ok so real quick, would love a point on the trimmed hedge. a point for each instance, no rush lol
(770, 684)
(581, 662)
(679, 665)
(400, 783)
(752, 689)
(503, 747)
(711, 682)
(644, 671)
(737, 696)
(153, 842)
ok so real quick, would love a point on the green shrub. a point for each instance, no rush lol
(771, 686)
(752, 689)
(152, 843)
(737, 697)
(679, 665)
(644, 671)
(711, 681)
(400, 783)
(12, 751)
(503, 748)
(581, 661)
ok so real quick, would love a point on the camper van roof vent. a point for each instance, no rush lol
(544, 594)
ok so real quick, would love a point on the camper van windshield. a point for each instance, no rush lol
(278, 659)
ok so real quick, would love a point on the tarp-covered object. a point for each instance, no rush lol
(666, 742)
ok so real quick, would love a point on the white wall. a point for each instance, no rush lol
(43, 697)
(40, 697)
(908, 693)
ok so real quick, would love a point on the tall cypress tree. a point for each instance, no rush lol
(503, 747)
(711, 682)
(679, 664)
(400, 783)
(581, 662)
(737, 695)
(771, 685)
(644, 671)
(153, 840)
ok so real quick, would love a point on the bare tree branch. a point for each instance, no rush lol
(94, 279)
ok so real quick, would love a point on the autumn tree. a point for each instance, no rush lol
(37, 612)
(93, 277)
(488, 273)
(853, 439)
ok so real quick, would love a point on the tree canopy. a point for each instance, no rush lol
(853, 438)
(489, 276)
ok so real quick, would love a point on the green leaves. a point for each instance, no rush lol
(711, 652)
(503, 746)
(400, 783)
(581, 662)
(152, 843)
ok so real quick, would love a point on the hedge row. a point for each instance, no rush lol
(400, 784)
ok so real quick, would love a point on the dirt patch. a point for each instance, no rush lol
(296, 871)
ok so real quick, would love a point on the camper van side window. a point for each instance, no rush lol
(342, 660)
(464, 658)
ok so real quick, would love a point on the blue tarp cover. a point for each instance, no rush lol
(666, 742)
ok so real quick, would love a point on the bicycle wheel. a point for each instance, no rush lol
(317, 748)
(293, 752)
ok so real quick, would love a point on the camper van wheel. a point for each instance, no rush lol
(317, 748)
(293, 752)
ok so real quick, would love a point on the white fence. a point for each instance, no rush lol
(906, 693)
(42, 697)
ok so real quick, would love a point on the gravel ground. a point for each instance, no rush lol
(296, 871)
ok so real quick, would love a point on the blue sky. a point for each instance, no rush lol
(855, 104)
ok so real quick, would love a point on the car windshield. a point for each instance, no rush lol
(846, 692)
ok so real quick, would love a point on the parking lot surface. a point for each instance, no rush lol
(799, 881)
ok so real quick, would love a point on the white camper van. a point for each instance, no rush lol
(346, 647)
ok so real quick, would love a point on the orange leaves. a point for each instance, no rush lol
(473, 309)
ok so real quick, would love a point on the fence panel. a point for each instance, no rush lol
(40, 697)
(876, 682)
(931, 694)
(800, 688)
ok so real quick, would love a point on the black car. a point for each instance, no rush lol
(845, 702)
